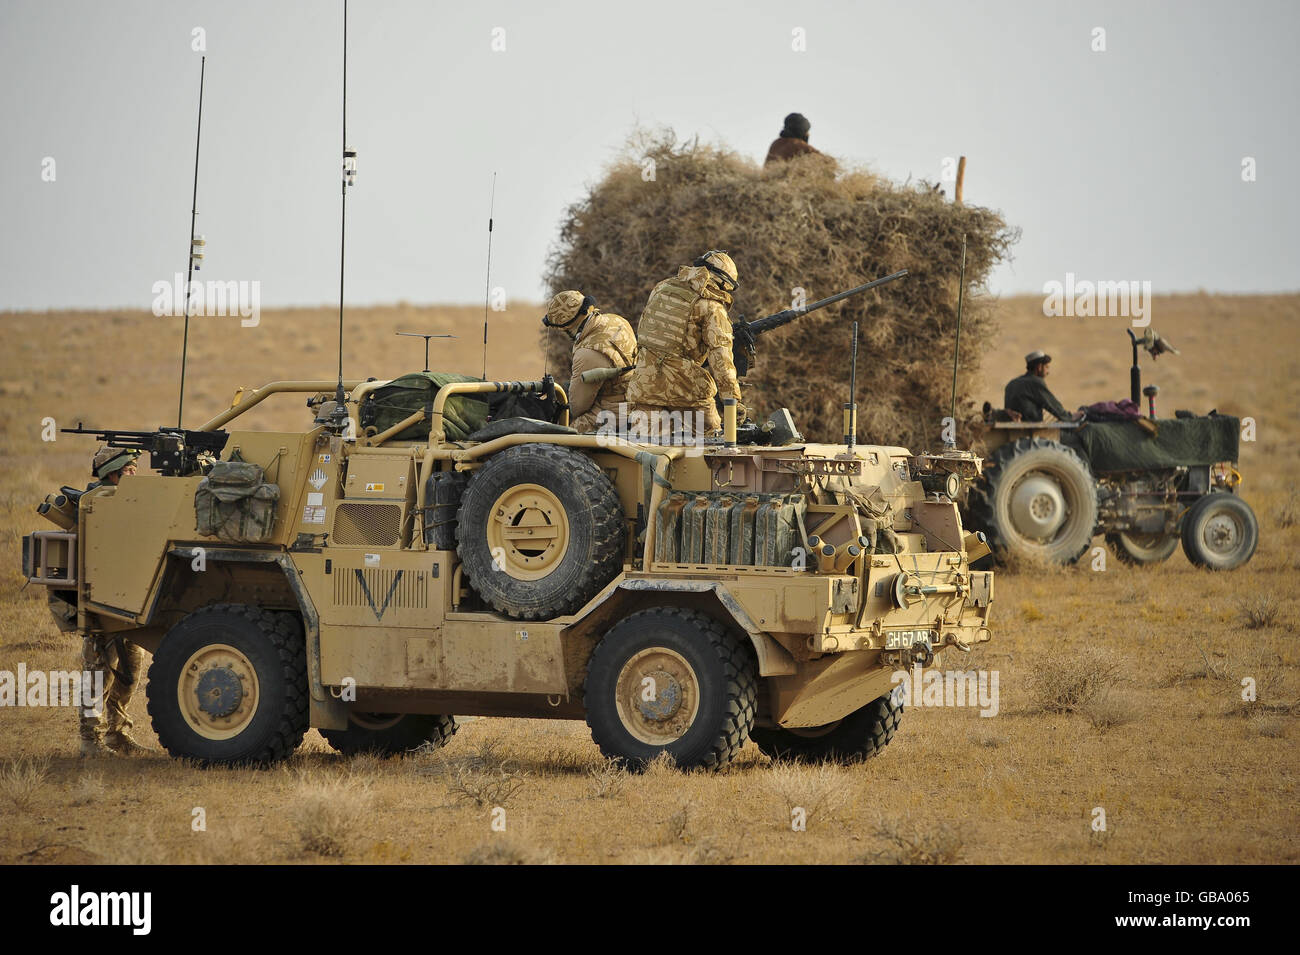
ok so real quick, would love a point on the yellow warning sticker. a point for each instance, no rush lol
(375, 487)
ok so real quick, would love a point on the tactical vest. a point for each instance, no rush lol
(666, 321)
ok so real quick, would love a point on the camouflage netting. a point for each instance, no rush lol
(804, 223)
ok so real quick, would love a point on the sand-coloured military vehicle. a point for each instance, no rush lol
(380, 571)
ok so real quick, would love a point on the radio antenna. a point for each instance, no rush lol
(851, 409)
(426, 344)
(956, 349)
(196, 245)
(339, 417)
(487, 290)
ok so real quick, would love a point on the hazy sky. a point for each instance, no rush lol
(1122, 164)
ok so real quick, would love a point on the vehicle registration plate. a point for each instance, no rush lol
(904, 639)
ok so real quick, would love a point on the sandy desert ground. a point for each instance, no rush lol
(1185, 770)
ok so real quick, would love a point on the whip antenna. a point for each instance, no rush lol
(338, 418)
(196, 245)
(487, 290)
(956, 350)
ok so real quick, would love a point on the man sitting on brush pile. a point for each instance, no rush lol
(792, 142)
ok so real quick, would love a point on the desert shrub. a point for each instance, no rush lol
(1067, 681)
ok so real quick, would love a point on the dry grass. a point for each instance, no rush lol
(328, 814)
(913, 842)
(22, 781)
(1259, 611)
(819, 790)
(1021, 784)
(1067, 681)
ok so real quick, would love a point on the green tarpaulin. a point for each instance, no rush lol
(402, 397)
(1181, 442)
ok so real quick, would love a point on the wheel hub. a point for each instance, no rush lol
(528, 532)
(1221, 534)
(219, 691)
(1038, 507)
(657, 696)
(665, 697)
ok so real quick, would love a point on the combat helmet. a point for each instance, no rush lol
(721, 268)
(565, 308)
(111, 460)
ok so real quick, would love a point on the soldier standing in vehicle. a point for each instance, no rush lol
(685, 325)
(1029, 395)
(792, 142)
(103, 730)
(600, 340)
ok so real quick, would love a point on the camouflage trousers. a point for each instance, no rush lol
(121, 662)
(665, 422)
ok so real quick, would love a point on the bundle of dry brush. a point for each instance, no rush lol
(807, 225)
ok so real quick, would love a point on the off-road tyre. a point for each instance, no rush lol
(716, 700)
(1220, 532)
(558, 492)
(268, 650)
(1141, 550)
(990, 505)
(859, 736)
(387, 734)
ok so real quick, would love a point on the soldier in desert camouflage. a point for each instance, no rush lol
(684, 326)
(103, 729)
(600, 340)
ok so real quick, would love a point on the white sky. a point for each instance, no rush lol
(1124, 164)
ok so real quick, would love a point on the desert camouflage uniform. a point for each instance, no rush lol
(672, 348)
(121, 662)
(104, 727)
(604, 340)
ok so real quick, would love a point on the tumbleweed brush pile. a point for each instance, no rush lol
(807, 225)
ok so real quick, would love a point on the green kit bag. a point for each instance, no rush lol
(235, 503)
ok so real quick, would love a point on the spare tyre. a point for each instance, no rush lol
(541, 531)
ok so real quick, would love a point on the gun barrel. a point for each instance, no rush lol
(790, 314)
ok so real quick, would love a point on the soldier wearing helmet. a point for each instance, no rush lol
(110, 465)
(600, 340)
(103, 729)
(684, 326)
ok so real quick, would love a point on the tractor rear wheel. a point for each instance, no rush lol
(1036, 499)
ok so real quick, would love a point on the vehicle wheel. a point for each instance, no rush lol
(228, 684)
(541, 531)
(860, 735)
(1036, 499)
(1134, 547)
(385, 734)
(1220, 532)
(675, 681)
